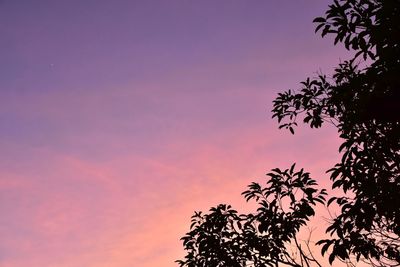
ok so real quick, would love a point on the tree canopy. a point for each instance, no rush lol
(362, 99)
(225, 238)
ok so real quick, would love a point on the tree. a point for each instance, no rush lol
(362, 99)
(268, 236)
(364, 106)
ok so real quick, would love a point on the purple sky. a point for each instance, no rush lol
(120, 118)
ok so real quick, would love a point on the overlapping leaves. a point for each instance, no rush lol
(224, 237)
(363, 103)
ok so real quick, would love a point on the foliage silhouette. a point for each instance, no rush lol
(364, 104)
(225, 238)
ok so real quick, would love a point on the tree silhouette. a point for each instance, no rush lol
(362, 99)
(364, 104)
(268, 236)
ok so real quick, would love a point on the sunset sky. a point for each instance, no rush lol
(120, 118)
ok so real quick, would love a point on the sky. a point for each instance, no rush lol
(119, 119)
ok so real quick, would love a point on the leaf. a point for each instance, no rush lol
(331, 200)
(331, 258)
(325, 247)
(319, 19)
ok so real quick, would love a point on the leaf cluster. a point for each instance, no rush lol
(223, 237)
(363, 103)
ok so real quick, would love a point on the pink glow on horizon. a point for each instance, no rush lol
(162, 220)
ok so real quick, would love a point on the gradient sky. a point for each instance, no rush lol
(120, 118)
